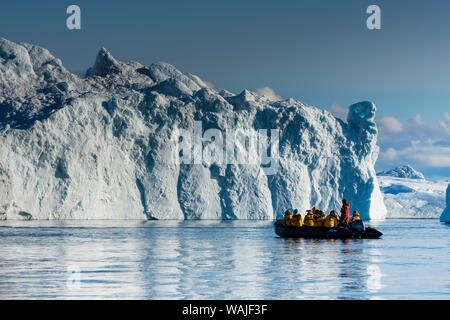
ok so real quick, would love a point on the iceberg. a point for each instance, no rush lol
(445, 216)
(405, 171)
(412, 198)
(101, 147)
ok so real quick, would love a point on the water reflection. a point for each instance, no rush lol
(215, 260)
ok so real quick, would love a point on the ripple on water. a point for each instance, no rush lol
(219, 260)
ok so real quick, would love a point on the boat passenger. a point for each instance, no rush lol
(319, 219)
(331, 221)
(287, 219)
(345, 212)
(315, 212)
(297, 219)
(308, 221)
(355, 216)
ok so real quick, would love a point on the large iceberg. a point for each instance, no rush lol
(102, 147)
(445, 216)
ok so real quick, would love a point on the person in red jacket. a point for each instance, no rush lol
(345, 212)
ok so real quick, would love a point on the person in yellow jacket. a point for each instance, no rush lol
(315, 212)
(331, 221)
(308, 221)
(319, 219)
(287, 219)
(355, 216)
(297, 219)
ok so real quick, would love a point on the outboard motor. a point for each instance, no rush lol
(358, 225)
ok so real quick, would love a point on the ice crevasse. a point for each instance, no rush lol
(99, 147)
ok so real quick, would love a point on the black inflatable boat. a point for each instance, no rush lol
(326, 233)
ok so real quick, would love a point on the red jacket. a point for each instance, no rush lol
(345, 213)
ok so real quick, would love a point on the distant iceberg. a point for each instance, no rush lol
(100, 147)
(405, 171)
(412, 198)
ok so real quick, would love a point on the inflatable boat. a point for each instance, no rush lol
(357, 232)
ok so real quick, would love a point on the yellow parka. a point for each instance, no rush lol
(315, 213)
(331, 221)
(297, 220)
(287, 219)
(308, 221)
(319, 219)
(355, 216)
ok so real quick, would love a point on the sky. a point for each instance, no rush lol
(317, 51)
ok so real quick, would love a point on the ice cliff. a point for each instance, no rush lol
(445, 216)
(100, 147)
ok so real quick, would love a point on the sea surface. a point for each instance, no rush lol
(219, 260)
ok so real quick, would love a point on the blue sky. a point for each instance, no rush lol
(317, 51)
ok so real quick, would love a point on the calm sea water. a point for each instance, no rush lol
(219, 260)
